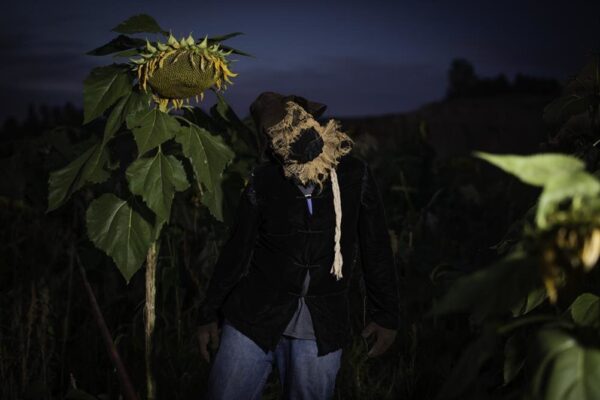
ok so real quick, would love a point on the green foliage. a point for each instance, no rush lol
(151, 128)
(156, 180)
(585, 310)
(562, 178)
(114, 227)
(208, 155)
(87, 168)
(141, 23)
(128, 105)
(119, 44)
(103, 87)
(157, 171)
(567, 370)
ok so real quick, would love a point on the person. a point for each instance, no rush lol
(278, 294)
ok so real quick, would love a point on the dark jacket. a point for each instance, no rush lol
(259, 274)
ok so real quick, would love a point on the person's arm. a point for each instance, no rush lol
(234, 256)
(381, 281)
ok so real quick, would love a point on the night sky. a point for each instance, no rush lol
(360, 58)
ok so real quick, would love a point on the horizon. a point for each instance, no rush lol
(399, 53)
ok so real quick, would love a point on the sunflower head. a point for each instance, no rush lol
(568, 250)
(178, 70)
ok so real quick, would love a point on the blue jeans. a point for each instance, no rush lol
(241, 368)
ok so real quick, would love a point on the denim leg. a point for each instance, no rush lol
(303, 374)
(240, 369)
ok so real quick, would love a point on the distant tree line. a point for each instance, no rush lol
(464, 82)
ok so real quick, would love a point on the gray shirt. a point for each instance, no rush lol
(301, 326)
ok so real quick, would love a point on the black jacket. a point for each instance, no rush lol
(259, 274)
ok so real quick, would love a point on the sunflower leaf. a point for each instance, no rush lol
(156, 180)
(141, 23)
(537, 169)
(118, 44)
(115, 228)
(151, 128)
(209, 155)
(88, 167)
(103, 87)
(565, 370)
(131, 103)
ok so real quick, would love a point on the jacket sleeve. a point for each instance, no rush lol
(379, 272)
(234, 256)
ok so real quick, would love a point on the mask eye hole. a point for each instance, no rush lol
(307, 146)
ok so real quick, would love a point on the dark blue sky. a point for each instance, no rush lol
(360, 58)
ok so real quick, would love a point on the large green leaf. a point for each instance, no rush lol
(209, 156)
(151, 127)
(156, 180)
(567, 370)
(585, 310)
(537, 169)
(114, 227)
(141, 23)
(576, 184)
(129, 104)
(118, 44)
(103, 87)
(88, 167)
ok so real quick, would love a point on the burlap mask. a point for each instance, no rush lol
(308, 151)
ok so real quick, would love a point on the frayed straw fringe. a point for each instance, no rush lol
(286, 131)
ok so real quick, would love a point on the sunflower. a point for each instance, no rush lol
(179, 70)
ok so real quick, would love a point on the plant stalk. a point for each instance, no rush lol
(150, 316)
(113, 353)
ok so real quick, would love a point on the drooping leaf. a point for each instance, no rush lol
(530, 302)
(585, 310)
(537, 169)
(576, 184)
(566, 370)
(141, 23)
(156, 180)
(120, 43)
(151, 127)
(209, 156)
(103, 87)
(221, 38)
(115, 228)
(129, 104)
(214, 201)
(88, 167)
